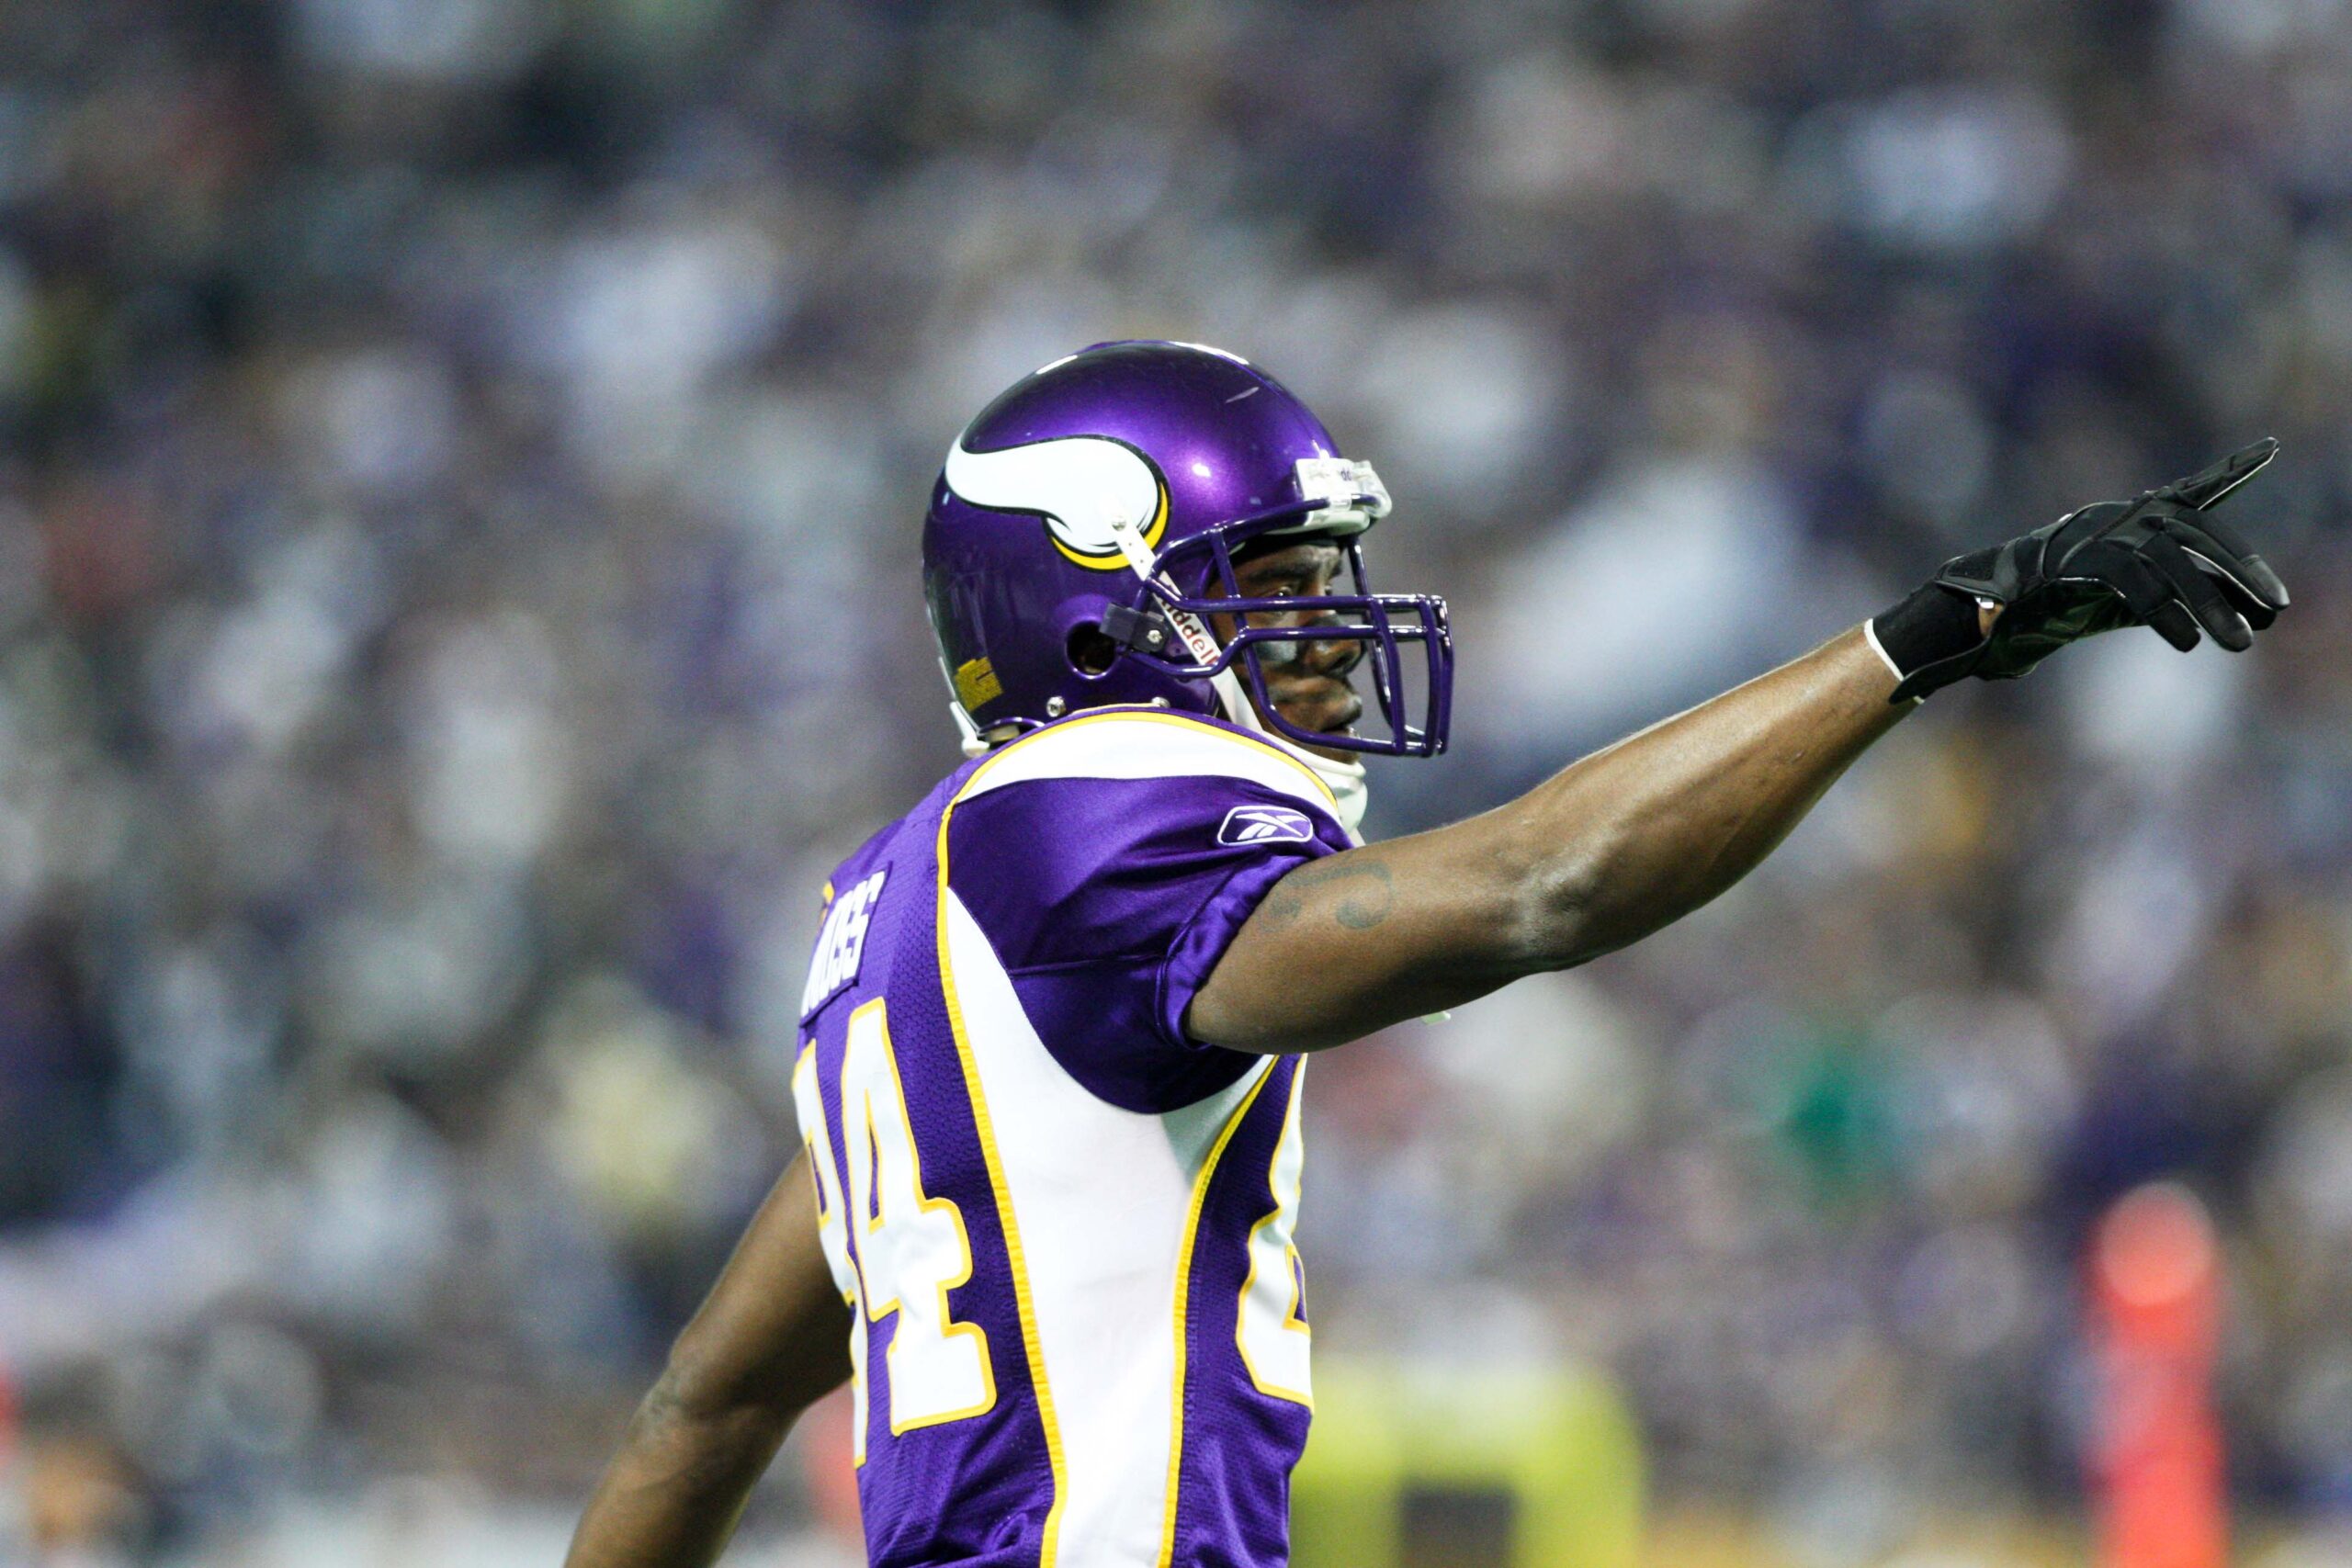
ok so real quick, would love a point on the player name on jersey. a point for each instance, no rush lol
(841, 943)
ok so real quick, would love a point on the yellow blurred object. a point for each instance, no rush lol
(1429, 1466)
(1707, 1539)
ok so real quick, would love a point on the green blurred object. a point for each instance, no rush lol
(1413, 1465)
(1833, 1113)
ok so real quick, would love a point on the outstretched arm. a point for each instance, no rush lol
(1645, 831)
(772, 1338)
(1603, 852)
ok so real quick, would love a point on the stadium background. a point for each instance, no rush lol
(458, 594)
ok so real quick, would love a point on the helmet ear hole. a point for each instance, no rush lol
(1090, 652)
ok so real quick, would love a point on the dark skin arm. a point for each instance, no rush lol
(1602, 853)
(771, 1340)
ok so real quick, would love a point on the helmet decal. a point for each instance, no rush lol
(976, 685)
(1078, 484)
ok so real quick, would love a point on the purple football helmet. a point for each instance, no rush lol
(1104, 497)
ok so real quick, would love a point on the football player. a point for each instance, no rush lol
(1059, 1017)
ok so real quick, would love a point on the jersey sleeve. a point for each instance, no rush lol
(1109, 898)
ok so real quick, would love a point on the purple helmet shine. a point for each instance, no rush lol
(1107, 493)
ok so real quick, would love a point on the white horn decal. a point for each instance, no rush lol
(1078, 484)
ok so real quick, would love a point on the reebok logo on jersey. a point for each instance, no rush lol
(1265, 825)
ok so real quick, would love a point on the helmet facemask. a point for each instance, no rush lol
(1169, 626)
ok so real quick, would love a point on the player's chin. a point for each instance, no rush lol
(1332, 710)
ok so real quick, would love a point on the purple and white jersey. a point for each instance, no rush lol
(1065, 1227)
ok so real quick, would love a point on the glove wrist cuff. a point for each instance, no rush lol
(1932, 638)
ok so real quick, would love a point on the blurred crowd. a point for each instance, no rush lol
(460, 463)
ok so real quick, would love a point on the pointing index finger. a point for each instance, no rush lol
(2210, 487)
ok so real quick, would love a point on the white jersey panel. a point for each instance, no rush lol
(1102, 1197)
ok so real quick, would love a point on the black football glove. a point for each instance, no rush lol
(2160, 561)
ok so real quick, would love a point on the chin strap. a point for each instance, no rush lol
(974, 744)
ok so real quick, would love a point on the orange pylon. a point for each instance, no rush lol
(2155, 1316)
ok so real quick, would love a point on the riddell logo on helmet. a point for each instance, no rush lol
(1265, 825)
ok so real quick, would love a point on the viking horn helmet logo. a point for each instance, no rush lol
(1078, 484)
